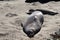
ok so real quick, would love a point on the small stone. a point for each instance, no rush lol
(10, 15)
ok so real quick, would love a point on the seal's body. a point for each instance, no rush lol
(33, 23)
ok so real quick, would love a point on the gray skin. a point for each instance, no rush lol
(33, 23)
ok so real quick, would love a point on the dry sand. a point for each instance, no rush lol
(13, 12)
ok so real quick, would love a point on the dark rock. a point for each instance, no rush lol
(41, 1)
(56, 35)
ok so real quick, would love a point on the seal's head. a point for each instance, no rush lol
(31, 29)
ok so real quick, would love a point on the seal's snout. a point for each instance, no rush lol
(30, 33)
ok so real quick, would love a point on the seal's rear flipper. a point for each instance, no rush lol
(43, 11)
(47, 12)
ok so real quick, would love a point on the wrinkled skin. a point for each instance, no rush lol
(33, 23)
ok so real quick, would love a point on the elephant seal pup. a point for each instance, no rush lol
(33, 23)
